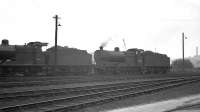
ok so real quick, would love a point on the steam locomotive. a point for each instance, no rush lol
(131, 61)
(30, 59)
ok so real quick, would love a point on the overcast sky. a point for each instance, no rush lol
(145, 24)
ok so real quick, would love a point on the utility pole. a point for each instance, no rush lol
(56, 35)
(197, 49)
(183, 38)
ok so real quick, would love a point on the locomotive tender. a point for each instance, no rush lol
(70, 60)
(30, 59)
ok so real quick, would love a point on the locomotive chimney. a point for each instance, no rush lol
(4, 42)
(116, 49)
(101, 48)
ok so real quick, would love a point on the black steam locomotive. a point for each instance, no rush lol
(30, 59)
(131, 61)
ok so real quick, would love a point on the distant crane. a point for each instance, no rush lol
(124, 43)
(197, 51)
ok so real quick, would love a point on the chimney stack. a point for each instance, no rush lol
(101, 48)
(4, 42)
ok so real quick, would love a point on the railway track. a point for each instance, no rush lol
(67, 99)
(66, 80)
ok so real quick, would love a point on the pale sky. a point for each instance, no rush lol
(144, 24)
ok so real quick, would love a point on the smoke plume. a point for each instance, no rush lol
(105, 43)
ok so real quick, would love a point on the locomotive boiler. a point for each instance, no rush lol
(26, 58)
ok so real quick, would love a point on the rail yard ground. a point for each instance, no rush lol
(22, 92)
(31, 81)
(172, 93)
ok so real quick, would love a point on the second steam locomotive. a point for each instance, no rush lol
(130, 61)
(30, 59)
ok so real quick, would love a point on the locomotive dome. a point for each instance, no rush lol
(116, 49)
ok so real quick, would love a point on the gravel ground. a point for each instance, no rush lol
(181, 91)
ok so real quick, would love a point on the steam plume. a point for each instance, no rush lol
(104, 44)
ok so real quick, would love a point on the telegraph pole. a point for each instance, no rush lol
(183, 38)
(56, 35)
